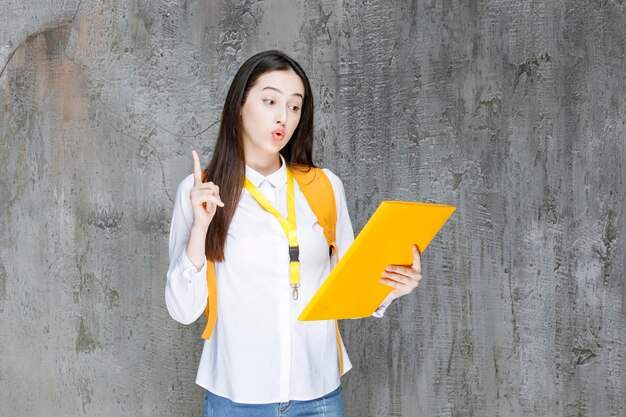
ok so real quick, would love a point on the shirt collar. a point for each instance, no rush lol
(276, 178)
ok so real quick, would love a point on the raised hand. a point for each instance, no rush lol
(204, 196)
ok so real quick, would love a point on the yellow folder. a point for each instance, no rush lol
(353, 288)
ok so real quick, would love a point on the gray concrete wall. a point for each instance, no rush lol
(512, 111)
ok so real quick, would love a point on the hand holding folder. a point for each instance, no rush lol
(403, 278)
(353, 288)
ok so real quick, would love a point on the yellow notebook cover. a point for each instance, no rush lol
(353, 288)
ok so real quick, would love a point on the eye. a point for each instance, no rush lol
(268, 101)
(295, 108)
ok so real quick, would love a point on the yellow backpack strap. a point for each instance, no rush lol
(211, 304)
(318, 191)
(339, 347)
(211, 307)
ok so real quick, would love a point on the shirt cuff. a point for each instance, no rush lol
(189, 270)
(380, 311)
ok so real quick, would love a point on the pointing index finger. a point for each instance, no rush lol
(197, 171)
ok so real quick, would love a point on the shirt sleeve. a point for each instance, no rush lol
(380, 311)
(186, 289)
(344, 233)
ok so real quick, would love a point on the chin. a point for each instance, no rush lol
(277, 146)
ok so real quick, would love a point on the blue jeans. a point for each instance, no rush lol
(330, 405)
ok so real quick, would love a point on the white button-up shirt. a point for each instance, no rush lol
(259, 352)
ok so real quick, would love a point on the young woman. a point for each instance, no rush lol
(259, 359)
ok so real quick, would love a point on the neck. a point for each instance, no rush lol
(264, 164)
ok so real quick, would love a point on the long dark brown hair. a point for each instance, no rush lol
(227, 167)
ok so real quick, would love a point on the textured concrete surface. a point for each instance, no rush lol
(512, 111)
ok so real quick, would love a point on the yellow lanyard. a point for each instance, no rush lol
(289, 227)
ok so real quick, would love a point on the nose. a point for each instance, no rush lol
(281, 117)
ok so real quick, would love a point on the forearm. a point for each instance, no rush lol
(195, 249)
(186, 289)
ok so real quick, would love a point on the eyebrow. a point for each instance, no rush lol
(277, 90)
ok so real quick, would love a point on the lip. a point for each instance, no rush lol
(278, 134)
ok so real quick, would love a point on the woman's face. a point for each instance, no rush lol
(271, 113)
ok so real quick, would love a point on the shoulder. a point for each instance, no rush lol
(185, 185)
(316, 180)
(334, 180)
(187, 182)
